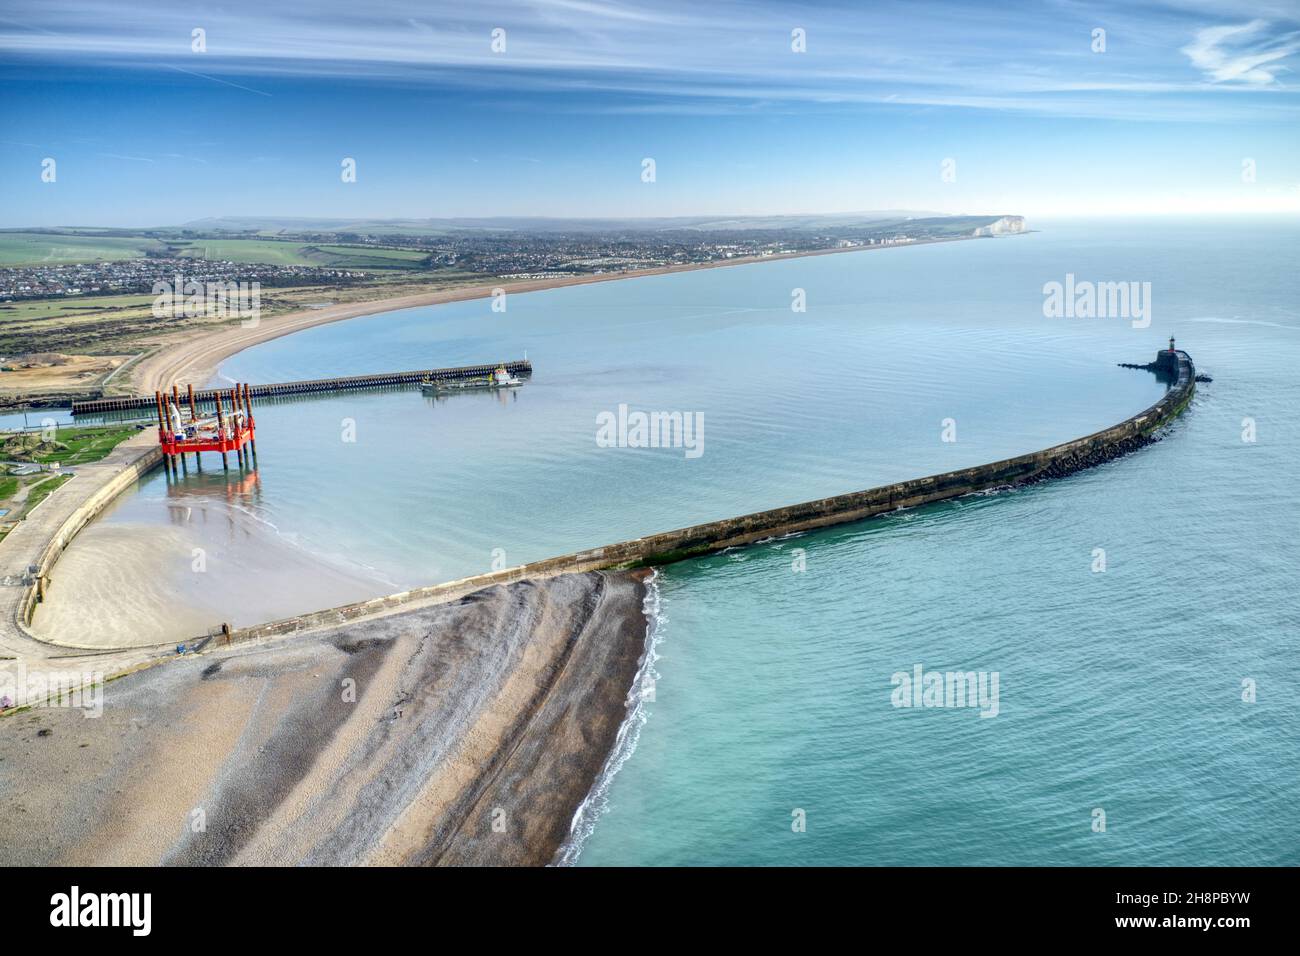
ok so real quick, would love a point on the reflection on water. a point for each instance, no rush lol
(502, 396)
(242, 490)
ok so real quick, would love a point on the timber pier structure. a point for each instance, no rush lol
(208, 396)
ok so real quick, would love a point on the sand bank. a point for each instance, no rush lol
(466, 733)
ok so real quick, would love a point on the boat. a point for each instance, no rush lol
(499, 379)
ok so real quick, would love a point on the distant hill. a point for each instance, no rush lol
(809, 223)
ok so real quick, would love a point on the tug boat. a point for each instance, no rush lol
(497, 380)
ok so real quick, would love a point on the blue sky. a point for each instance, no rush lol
(146, 130)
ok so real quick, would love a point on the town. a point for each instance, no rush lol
(343, 258)
(135, 276)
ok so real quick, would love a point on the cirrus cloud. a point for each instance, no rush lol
(1242, 53)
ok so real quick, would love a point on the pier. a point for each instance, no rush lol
(209, 396)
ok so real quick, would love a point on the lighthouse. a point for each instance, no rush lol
(1167, 359)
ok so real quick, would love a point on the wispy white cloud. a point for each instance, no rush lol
(132, 159)
(1243, 53)
(722, 56)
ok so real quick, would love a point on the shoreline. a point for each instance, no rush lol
(128, 602)
(39, 546)
(196, 357)
(512, 681)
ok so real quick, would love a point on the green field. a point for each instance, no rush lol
(371, 257)
(38, 248)
(76, 246)
(71, 307)
(86, 444)
(42, 491)
(291, 252)
(18, 496)
(248, 250)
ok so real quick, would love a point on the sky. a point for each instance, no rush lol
(160, 113)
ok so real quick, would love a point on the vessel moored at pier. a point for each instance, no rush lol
(521, 368)
(499, 379)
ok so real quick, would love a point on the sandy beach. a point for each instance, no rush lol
(128, 584)
(194, 357)
(466, 733)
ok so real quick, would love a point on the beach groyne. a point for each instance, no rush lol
(697, 540)
(208, 396)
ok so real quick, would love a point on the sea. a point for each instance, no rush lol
(1127, 635)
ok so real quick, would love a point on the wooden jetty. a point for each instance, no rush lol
(208, 396)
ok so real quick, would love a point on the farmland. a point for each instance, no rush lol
(297, 253)
(70, 248)
(41, 248)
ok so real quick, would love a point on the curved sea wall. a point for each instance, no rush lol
(1055, 462)
(47, 533)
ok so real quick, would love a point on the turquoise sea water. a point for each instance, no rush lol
(1119, 691)
(850, 394)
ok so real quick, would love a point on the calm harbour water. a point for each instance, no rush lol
(1118, 690)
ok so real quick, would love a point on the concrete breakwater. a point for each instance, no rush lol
(1055, 462)
(208, 396)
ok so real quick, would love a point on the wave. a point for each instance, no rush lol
(596, 803)
(1220, 321)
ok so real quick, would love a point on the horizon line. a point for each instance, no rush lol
(1092, 214)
